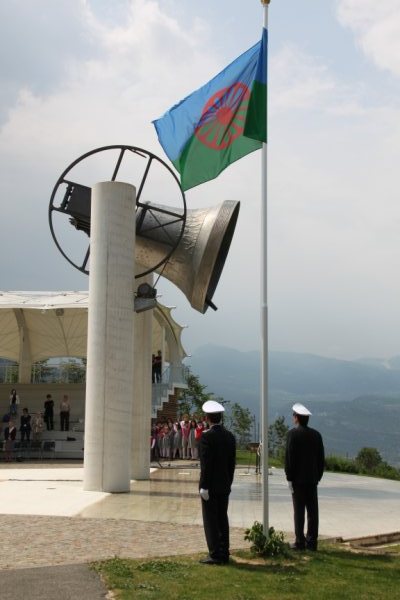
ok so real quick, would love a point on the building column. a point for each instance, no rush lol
(109, 386)
(25, 357)
(142, 396)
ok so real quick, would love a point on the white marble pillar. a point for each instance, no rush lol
(109, 387)
(25, 357)
(141, 407)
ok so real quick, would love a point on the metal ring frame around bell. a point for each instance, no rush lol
(140, 152)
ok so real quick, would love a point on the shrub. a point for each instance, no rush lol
(274, 545)
(368, 459)
(340, 464)
(368, 462)
(386, 471)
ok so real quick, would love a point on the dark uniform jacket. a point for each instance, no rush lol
(304, 458)
(217, 460)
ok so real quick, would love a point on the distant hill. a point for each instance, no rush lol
(354, 403)
(387, 364)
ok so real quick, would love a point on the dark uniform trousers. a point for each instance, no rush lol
(64, 420)
(216, 525)
(217, 467)
(304, 467)
(305, 497)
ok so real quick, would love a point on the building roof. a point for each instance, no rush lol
(56, 324)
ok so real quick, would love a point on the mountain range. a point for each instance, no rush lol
(354, 403)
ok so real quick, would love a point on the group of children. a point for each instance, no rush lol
(173, 440)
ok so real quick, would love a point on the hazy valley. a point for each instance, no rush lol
(354, 403)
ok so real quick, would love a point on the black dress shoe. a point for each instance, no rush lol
(208, 560)
(298, 547)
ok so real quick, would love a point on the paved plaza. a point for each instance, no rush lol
(47, 519)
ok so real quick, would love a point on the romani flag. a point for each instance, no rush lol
(220, 122)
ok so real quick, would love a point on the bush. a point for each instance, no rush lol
(386, 471)
(274, 545)
(340, 464)
(368, 462)
(368, 459)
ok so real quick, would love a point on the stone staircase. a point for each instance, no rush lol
(173, 379)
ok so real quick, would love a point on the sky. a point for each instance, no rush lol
(79, 74)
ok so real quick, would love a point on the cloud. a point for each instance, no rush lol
(111, 94)
(376, 26)
(102, 92)
(333, 206)
(298, 80)
(37, 40)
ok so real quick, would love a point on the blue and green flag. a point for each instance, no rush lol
(220, 122)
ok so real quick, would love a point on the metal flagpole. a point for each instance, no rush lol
(264, 317)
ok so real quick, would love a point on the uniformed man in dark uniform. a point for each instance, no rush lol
(304, 467)
(217, 467)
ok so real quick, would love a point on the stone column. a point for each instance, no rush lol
(25, 358)
(141, 408)
(109, 387)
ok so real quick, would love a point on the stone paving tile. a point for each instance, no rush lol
(30, 541)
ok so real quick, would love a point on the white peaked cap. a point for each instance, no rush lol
(212, 407)
(300, 409)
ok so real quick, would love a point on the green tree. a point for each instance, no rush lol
(72, 371)
(43, 372)
(239, 420)
(368, 459)
(192, 399)
(277, 433)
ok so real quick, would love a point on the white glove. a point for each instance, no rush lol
(290, 484)
(204, 494)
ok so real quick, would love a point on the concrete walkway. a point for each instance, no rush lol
(47, 520)
(70, 582)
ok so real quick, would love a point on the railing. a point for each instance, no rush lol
(8, 374)
(62, 372)
(76, 373)
(172, 376)
(59, 373)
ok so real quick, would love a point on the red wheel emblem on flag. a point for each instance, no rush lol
(223, 117)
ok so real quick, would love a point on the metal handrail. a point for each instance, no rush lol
(60, 372)
(72, 372)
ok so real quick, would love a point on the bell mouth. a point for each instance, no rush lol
(216, 248)
(196, 264)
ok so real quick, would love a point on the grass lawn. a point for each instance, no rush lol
(330, 573)
(247, 458)
(244, 457)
